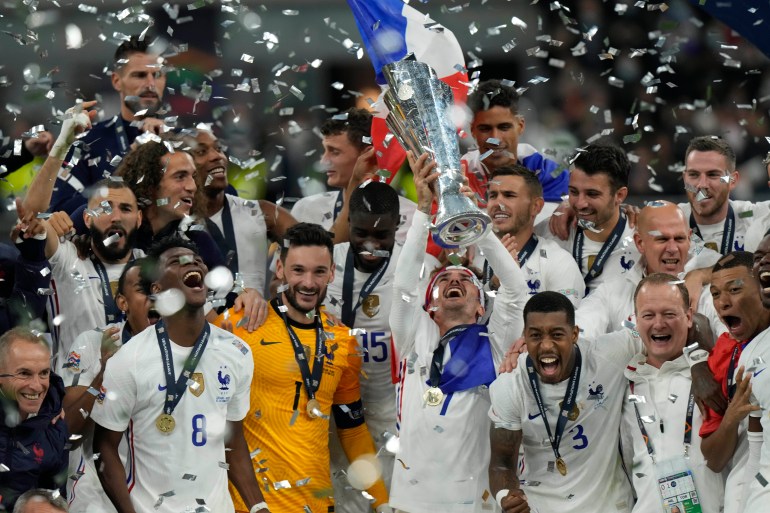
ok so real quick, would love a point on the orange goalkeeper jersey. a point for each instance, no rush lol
(290, 451)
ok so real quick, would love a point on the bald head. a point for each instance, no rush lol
(663, 237)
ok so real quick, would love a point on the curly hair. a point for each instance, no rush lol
(356, 123)
(143, 167)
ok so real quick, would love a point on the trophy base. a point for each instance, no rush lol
(461, 229)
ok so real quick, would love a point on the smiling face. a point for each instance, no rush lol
(30, 367)
(510, 205)
(708, 172)
(662, 322)
(176, 191)
(123, 221)
(307, 271)
(141, 77)
(736, 297)
(551, 340)
(663, 238)
(762, 270)
(182, 269)
(593, 199)
(339, 159)
(502, 124)
(369, 233)
(210, 161)
(454, 297)
(135, 303)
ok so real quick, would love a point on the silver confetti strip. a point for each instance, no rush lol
(636, 398)
(648, 419)
(278, 485)
(189, 477)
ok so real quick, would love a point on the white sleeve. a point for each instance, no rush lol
(567, 280)
(239, 406)
(505, 397)
(593, 316)
(618, 347)
(117, 398)
(506, 323)
(302, 213)
(80, 366)
(65, 256)
(407, 303)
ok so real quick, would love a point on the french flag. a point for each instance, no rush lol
(391, 30)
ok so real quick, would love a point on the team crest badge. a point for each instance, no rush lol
(73, 361)
(712, 246)
(197, 386)
(371, 305)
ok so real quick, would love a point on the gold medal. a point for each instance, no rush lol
(561, 466)
(165, 423)
(574, 412)
(313, 408)
(433, 396)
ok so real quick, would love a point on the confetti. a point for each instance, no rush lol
(636, 398)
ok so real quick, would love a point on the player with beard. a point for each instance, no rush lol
(85, 276)
(515, 198)
(307, 371)
(242, 228)
(181, 388)
(83, 372)
(139, 78)
(709, 177)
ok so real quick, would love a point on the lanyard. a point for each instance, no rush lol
(111, 311)
(312, 380)
(687, 425)
(728, 234)
(731, 368)
(226, 241)
(601, 258)
(337, 205)
(566, 406)
(523, 256)
(120, 133)
(437, 364)
(348, 309)
(175, 390)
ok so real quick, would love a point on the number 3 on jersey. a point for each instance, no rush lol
(199, 430)
(375, 345)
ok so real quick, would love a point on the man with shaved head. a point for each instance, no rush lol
(663, 240)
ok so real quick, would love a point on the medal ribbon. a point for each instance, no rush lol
(731, 368)
(175, 390)
(437, 364)
(311, 379)
(601, 258)
(348, 309)
(337, 205)
(567, 404)
(111, 311)
(120, 133)
(728, 234)
(225, 241)
(523, 256)
(687, 424)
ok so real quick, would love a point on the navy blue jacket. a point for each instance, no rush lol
(24, 270)
(33, 450)
(95, 152)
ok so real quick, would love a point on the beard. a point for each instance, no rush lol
(112, 252)
(291, 297)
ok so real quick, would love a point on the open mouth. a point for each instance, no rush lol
(549, 365)
(309, 294)
(660, 339)
(454, 291)
(764, 280)
(115, 231)
(193, 279)
(501, 216)
(217, 172)
(185, 202)
(733, 323)
(153, 316)
(670, 262)
(30, 397)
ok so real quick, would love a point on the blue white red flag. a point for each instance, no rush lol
(391, 30)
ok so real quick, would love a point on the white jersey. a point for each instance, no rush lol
(444, 450)
(595, 480)
(666, 392)
(622, 258)
(755, 359)
(77, 297)
(251, 241)
(611, 306)
(320, 208)
(746, 213)
(760, 223)
(549, 267)
(132, 397)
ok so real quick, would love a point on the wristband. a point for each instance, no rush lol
(501, 495)
(258, 506)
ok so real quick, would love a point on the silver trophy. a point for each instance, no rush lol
(419, 117)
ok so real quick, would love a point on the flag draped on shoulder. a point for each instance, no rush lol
(391, 30)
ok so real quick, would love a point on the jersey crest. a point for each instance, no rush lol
(197, 386)
(371, 305)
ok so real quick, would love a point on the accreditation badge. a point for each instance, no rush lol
(676, 485)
